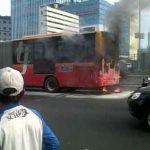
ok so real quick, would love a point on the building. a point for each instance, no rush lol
(124, 41)
(134, 41)
(145, 29)
(5, 28)
(53, 20)
(91, 12)
(25, 13)
(139, 42)
(148, 40)
(90, 28)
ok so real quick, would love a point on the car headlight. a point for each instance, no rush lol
(136, 95)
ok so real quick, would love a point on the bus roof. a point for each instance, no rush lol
(50, 35)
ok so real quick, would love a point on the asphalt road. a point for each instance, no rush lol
(87, 121)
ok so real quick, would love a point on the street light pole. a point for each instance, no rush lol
(139, 46)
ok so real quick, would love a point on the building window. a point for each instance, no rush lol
(4, 21)
(4, 28)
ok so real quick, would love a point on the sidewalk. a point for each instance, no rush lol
(128, 87)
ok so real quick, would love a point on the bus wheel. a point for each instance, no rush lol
(51, 85)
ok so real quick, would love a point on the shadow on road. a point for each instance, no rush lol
(68, 91)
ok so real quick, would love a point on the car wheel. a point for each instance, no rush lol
(51, 85)
(147, 119)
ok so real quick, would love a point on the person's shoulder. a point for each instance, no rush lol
(36, 112)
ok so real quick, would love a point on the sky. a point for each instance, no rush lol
(112, 1)
(5, 7)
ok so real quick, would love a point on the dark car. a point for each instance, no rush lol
(139, 104)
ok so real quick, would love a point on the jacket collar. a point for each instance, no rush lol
(9, 106)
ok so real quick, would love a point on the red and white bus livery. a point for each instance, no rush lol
(57, 61)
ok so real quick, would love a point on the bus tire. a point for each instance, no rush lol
(51, 85)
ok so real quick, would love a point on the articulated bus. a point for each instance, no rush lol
(71, 61)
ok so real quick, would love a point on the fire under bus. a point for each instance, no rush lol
(72, 61)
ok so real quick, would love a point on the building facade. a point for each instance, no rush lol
(91, 12)
(53, 20)
(25, 13)
(5, 28)
(124, 41)
(148, 40)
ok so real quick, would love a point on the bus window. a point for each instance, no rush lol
(76, 48)
(44, 56)
(22, 52)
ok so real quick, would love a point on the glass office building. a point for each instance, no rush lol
(91, 12)
(25, 13)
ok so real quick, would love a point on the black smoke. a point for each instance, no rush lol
(123, 9)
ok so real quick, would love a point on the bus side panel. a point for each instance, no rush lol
(66, 75)
(23, 61)
(87, 73)
(81, 75)
(30, 78)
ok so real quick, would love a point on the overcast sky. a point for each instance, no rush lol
(5, 7)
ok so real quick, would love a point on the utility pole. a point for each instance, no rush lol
(139, 46)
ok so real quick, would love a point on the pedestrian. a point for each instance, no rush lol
(21, 128)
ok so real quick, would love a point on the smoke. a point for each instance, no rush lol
(123, 9)
(77, 47)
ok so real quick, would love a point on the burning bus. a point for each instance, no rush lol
(71, 61)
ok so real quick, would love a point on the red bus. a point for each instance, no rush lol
(73, 61)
